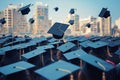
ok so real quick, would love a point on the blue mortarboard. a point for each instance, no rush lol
(84, 44)
(56, 8)
(72, 11)
(31, 20)
(118, 52)
(65, 47)
(5, 49)
(25, 10)
(104, 13)
(49, 46)
(58, 29)
(97, 44)
(57, 70)
(71, 22)
(32, 54)
(2, 21)
(15, 67)
(113, 43)
(90, 59)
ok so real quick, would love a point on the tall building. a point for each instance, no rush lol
(105, 26)
(117, 22)
(41, 19)
(16, 23)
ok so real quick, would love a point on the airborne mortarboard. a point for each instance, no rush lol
(57, 70)
(15, 67)
(88, 25)
(58, 29)
(71, 22)
(104, 13)
(56, 8)
(90, 59)
(31, 20)
(2, 21)
(25, 10)
(72, 11)
(65, 47)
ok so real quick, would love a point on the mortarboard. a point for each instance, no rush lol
(56, 8)
(84, 44)
(97, 44)
(15, 67)
(57, 70)
(90, 59)
(31, 20)
(65, 47)
(72, 11)
(118, 52)
(33, 53)
(25, 10)
(49, 46)
(58, 29)
(71, 22)
(104, 13)
(88, 25)
(2, 21)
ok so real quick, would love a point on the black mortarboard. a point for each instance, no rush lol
(58, 29)
(65, 47)
(15, 67)
(71, 22)
(25, 10)
(104, 13)
(31, 20)
(56, 8)
(72, 11)
(57, 70)
(88, 25)
(2, 21)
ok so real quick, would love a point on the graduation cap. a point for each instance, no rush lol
(31, 20)
(90, 59)
(57, 70)
(88, 25)
(58, 29)
(104, 13)
(118, 52)
(97, 44)
(25, 10)
(2, 21)
(71, 22)
(72, 11)
(15, 67)
(65, 47)
(56, 9)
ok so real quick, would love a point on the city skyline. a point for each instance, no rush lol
(84, 8)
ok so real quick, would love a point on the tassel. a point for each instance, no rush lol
(103, 76)
(51, 55)
(58, 55)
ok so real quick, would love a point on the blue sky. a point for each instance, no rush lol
(84, 8)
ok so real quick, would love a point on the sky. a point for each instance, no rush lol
(84, 8)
